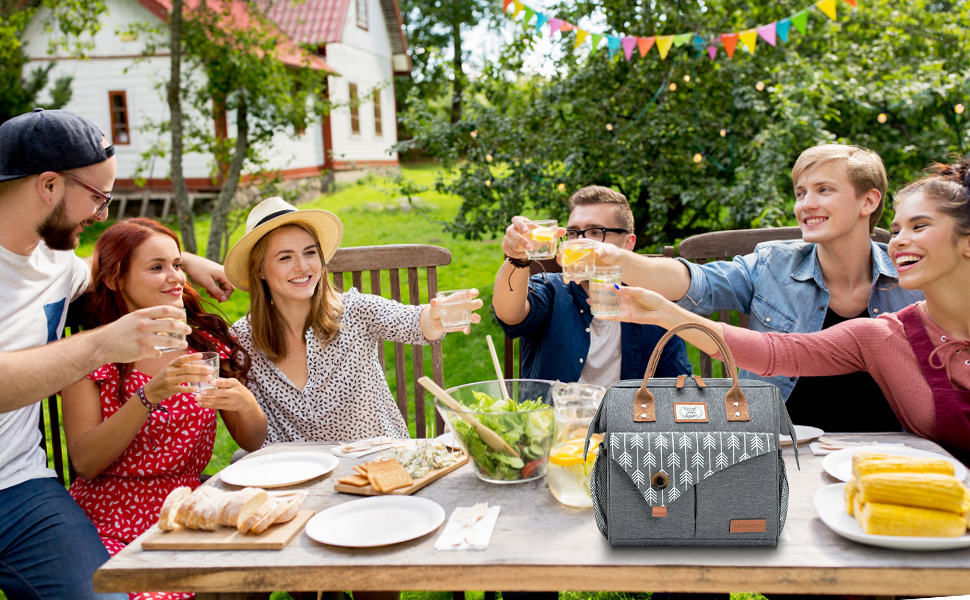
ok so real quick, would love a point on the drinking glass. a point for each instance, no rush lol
(455, 308)
(603, 299)
(211, 359)
(544, 239)
(178, 336)
(577, 259)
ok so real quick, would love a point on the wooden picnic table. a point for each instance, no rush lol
(539, 544)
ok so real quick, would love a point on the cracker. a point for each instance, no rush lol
(372, 479)
(387, 463)
(358, 480)
(361, 470)
(390, 479)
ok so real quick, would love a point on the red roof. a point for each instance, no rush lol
(315, 22)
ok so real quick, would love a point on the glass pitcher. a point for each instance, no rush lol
(568, 474)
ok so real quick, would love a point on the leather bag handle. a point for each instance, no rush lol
(735, 403)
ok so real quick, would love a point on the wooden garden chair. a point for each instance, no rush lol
(725, 245)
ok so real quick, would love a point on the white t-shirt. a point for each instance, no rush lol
(603, 362)
(34, 293)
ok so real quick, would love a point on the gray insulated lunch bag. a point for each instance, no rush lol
(688, 462)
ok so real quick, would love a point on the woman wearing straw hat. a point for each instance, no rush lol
(315, 369)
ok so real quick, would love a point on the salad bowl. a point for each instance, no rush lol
(524, 419)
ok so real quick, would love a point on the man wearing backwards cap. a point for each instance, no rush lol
(56, 173)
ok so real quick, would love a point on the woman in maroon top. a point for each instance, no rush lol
(919, 356)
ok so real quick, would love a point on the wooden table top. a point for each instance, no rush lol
(539, 544)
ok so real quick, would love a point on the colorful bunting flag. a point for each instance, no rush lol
(555, 24)
(644, 45)
(505, 5)
(749, 38)
(612, 44)
(540, 21)
(680, 40)
(518, 8)
(827, 7)
(629, 43)
(528, 16)
(580, 36)
(852, 2)
(698, 44)
(800, 20)
(730, 41)
(596, 37)
(712, 51)
(782, 28)
(663, 45)
(767, 33)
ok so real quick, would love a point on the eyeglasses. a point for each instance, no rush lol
(90, 188)
(593, 233)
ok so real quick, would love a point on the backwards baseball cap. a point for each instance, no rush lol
(49, 140)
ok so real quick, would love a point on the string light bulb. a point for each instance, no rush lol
(673, 87)
(723, 132)
(488, 158)
(561, 187)
(488, 183)
(882, 118)
(474, 134)
(686, 78)
(609, 126)
(760, 86)
(958, 109)
(698, 157)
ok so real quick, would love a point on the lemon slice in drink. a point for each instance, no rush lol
(543, 234)
(570, 453)
(571, 256)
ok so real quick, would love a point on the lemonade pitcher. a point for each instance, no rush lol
(575, 405)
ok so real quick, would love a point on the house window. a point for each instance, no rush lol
(361, 13)
(118, 103)
(354, 110)
(378, 126)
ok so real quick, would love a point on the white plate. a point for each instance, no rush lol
(830, 505)
(275, 470)
(376, 521)
(803, 433)
(839, 464)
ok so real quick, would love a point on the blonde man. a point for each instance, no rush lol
(835, 273)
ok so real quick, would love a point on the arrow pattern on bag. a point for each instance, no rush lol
(686, 458)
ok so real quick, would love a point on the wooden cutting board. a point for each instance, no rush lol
(368, 490)
(228, 538)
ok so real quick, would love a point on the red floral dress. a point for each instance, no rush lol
(125, 499)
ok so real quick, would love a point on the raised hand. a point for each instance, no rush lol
(227, 394)
(182, 369)
(638, 305)
(472, 303)
(135, 335)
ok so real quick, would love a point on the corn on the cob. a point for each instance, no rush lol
(851, 489)
(923, 490)
(889, 519)
(901, 464)
(866, 455)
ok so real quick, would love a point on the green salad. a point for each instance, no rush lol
(528, 430)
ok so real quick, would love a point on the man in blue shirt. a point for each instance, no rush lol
(560, 338)
(836, 272)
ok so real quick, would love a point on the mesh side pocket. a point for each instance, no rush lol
(598, 486)
(782, 492)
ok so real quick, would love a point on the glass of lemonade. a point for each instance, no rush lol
(577, 257)
(455, 308)
(603, 299)
(544, 239)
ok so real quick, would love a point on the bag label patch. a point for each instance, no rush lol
(690, 412)
(659, 511)
(748, 526)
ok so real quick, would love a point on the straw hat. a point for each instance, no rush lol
(273, 213)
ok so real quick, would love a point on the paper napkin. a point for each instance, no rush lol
(480, 535)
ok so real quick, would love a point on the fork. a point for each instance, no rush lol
(466, 519)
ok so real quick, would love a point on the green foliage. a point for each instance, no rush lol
(595, 121)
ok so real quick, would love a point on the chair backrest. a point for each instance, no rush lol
(725, 245)
(510, 365)
(52, 438)
(386, 261)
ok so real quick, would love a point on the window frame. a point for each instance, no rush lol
(362, 17)
(354, 109)
(378, 121)
(117, 125)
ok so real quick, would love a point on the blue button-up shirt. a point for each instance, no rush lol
(780, 287)
(555, 336)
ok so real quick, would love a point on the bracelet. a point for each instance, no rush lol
(152, 408)
(518, 263)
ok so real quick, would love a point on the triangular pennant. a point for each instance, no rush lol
(680, 40)
(730, 41)
(782, 28)
(518, 8)
(644, 45)
(749, 38)
(528, 16)
(540, 21)
(698, 43)
(852, 2)
(712, 51)
(567, 27)
(663, 45)
(827, 7)
(629, 43)
(595, 39)
(555, 24)
(613, 44)
(767, 33)
(505, 5)
(800, 20)
(580, 36)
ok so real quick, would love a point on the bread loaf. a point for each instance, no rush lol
(269, 517)
(175, 498)
(250, 510)
(241, 505)
(189, 513)
(292, 507)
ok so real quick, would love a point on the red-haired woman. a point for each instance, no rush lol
(134, 432)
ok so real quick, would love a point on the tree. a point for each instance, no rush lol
(525, 143)
(179, 189)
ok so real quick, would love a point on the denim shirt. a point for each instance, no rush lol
(555, 336)
(780, 287)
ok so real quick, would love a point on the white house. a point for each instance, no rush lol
(360, 42)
